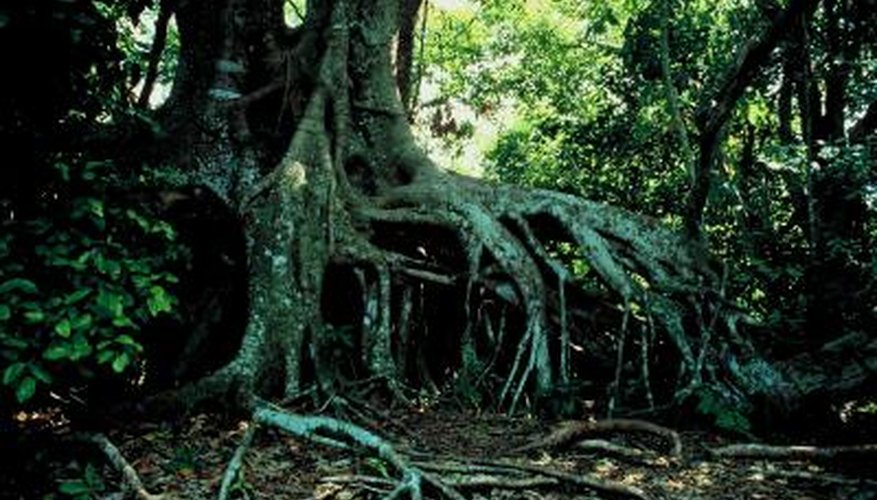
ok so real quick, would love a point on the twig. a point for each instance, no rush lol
(130, 478)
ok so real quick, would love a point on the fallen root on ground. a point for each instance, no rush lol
(441, 479)
(508, 475)
(574, 432)
(130, 479)
(765, 451)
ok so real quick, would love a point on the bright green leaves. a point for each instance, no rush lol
(159, 301)
(79, 283)
(110, 303)
(23, 378)
(63, 329)
(121, 362)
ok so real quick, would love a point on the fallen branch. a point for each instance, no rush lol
(793, 452)
(575, 431)
(130, 478)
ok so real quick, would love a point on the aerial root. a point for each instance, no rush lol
(130, 478)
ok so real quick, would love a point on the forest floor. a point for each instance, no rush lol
(187, 460)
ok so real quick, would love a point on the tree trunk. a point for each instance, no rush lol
(366, 260)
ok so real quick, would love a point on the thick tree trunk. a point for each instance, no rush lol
(354, 236)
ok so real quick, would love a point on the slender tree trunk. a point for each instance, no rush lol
(405, 50)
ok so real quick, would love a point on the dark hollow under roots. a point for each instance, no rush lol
(365, 261)
(500, 293)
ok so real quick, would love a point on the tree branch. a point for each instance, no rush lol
(155, 52)
(716, 109)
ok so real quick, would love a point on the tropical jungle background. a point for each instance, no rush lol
(380, 248)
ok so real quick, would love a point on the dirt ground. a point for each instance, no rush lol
(188, 459)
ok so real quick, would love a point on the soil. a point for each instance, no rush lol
(188, 458)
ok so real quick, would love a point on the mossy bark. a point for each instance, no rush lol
(350, 191)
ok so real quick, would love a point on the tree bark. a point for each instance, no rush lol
(350, 226)
(405, 50)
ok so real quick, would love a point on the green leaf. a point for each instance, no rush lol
(64, 328)
(111, 302)
(81, 322)
(74, 488)
(40, 373)
(121, 362)
(113, 268)
(159, 301)
(123, 322)
(76, 296)
(12, 373)
(104, 357)
(134, 216)
(33, 317)
(126, 340)
(26, 389)
(81, 348)
(95, 206)
(56, 352)
(5, 312)
(22, 284)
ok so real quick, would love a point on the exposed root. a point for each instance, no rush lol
(353, 190)
(237, 461)
(513, 476)
(814, 477)
(130, 478)
(603, 447)
(575, 431)
(770, 452)
(344, 435)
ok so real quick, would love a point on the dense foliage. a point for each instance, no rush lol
(582, 102)
(85, 264)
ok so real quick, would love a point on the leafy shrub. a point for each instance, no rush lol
(79, 279)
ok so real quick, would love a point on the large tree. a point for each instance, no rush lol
(363, 260)
(351, 230)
